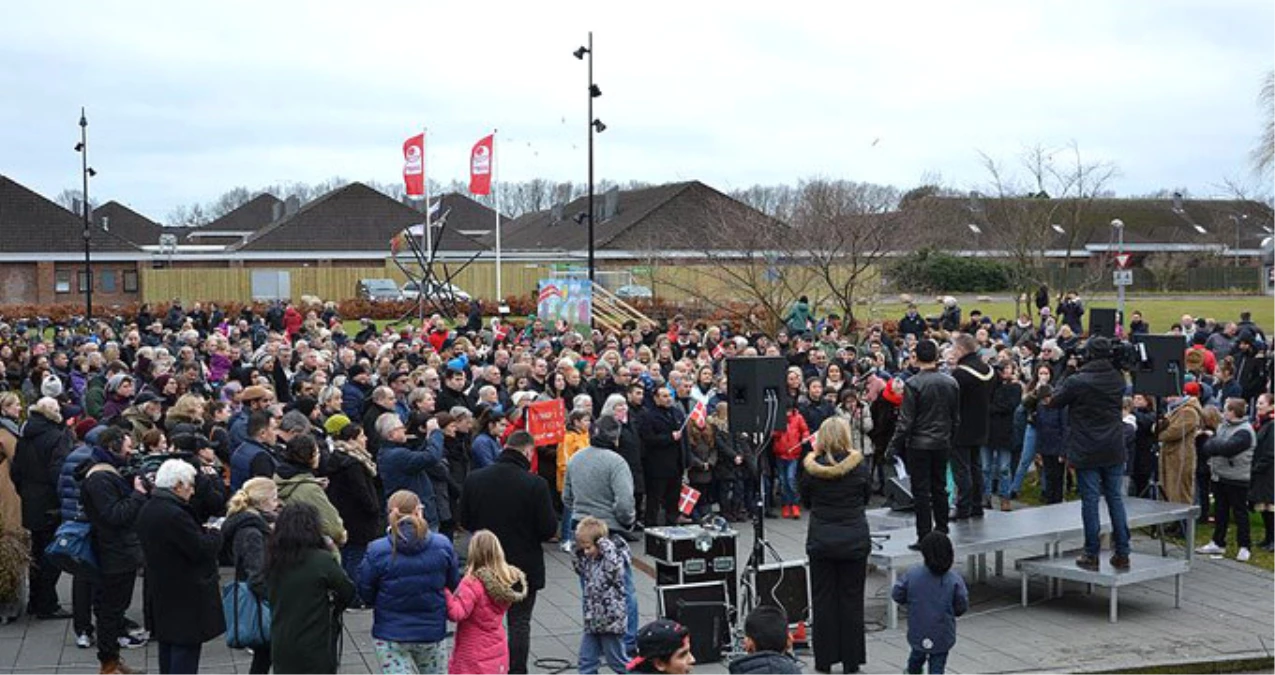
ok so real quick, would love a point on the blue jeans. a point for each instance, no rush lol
(629, 639)
(568, 529)
(1025, 461)
(995, 462)
(1103, 482)
(351, 558)
(595, 646)
(917, 659)
(786, 471)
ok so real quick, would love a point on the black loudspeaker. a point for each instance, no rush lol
(1103, 321)
(898, 491)
(706, 622)
(1159, 369)
(752, 381)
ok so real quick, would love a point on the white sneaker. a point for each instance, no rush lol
(83, 640)
(565, 547)
(1243, 555)
(130, 642)
(1209, 549)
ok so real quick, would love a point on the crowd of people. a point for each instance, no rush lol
(336, 472)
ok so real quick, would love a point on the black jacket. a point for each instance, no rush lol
(929, 414)
(765, 662)
(1093, 398)
(449, 398)
(1261, 484)
(516, 506)
(112, 505)
(914, 325)
(662, 457)
(836, 495)
(372, 413)
(1006, 396)
(243, 546)
(976, 379)
(183, 594)
(630, 448)
(352, 490)
(37, 464)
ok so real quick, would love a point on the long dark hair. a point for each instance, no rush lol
(296, 531)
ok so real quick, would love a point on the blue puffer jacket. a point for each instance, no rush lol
(1052, 428)
(407, 469)
(404, 585)
(484, 451)
(68, 486)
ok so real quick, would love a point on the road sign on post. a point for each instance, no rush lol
(1122, 260)
(1122, 278)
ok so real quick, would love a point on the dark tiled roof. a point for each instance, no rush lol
(127, 223)
(356, 218)
(654, 217)
(253, 215)
(1146, 221)
(31, 223)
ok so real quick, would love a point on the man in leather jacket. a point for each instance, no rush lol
(928, 418)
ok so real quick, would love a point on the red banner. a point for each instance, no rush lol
(480, 159)
(414, 165)
(547, 421)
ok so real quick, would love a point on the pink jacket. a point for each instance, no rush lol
(478, 607)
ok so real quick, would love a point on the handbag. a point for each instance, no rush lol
(247, 616)
(72, 549)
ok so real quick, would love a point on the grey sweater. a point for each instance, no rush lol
(599, 484)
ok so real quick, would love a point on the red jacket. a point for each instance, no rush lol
(787, 444)
(292, 321)
(1210, 361)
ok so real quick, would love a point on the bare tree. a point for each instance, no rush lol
(72, 199)
(1264, 153)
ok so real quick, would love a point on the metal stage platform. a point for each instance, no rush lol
(1046, 526)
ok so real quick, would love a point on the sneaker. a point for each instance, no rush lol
(1209, 549)
(1087, 562)
(131, 642)
(139, 633)
(565, 547)
(1243, 555)
(84, 640)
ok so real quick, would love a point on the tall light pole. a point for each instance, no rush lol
(87, 171)
(1119, 226)
(595, 126)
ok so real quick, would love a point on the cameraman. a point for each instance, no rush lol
(1095, 447)
(111, 503)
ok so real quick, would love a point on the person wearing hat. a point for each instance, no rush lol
(142, 416)
(663, 646)
(117, 394)
(251, 399)
(1093, 399)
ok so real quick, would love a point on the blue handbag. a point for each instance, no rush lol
(72, 549)
(247, 616)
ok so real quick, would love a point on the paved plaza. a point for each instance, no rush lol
(1226, 615)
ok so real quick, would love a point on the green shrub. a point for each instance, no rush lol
(935, 271)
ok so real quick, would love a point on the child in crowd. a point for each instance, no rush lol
(663, 646)
(574, 440)
(479, 605)
(767, 642)
(600, 561)
(787, 445)
(935, 596)
(404, 577)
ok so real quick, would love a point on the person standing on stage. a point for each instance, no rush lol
(928, 419)
(1095, 447)
(976, 380)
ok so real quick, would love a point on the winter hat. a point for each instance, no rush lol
(117, 380)
(335, 424)
(83, 427)
(51, 386)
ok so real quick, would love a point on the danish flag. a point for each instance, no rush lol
(686, 503)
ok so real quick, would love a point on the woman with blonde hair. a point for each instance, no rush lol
(835, 487)
(404, 577)
(479, 604)
(189, 409)
(12, 535)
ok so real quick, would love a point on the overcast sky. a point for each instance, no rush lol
(187, 100)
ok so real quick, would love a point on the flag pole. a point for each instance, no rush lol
(426, 284)
(500, 297)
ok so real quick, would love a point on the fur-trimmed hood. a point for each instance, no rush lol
(818, 469)
(499, 590)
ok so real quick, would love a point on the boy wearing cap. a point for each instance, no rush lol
(663, 646)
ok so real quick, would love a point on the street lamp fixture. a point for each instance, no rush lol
(86, 172)
(1118, 226)
(598, 126)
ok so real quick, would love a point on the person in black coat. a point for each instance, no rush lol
(1095, 447)
(182, 589)
(353, 488)
(835, 486)
(1261, 484)
(112, 504)
(998, 453)
(976, 380)
(1071, 312)
(517, 507)
(663, 461)
(37, 465)
(630, 444)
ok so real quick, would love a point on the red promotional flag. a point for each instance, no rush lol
(547, 421)
(414, 165)
(686, 503)
(480, 159)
